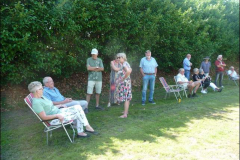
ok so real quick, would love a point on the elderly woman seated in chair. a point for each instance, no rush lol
(204, 81)
(47, 111)
(208, 80)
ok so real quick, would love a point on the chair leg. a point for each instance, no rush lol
(67, 134)
(47, 137)
(179, 95)
(175, 96)
(165, 95)
(185, 93)
(235, 82)
(73, 132)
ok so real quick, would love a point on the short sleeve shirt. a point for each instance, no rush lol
(219, 69)
(148, 66)
(234, 73)
(182, 78)
(126, 65)
(43, 104)
(53, 94)
(195, 77)
(93, 75)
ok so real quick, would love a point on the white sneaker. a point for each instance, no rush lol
(109, 104)
(203, 91)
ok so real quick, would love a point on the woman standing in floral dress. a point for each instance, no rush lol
(115, 67)
(124, 83)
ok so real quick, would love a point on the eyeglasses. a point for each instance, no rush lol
(40, 89)
(118, 57)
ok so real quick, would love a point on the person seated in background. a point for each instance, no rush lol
(53, 94)
(47, 111)
(208, 78)
(233, 74)
(204, 81)
(182, 80)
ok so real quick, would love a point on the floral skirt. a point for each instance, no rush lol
(125, 90)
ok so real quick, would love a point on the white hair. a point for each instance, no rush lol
(148, 51)
(219, 56)
(200, 70)
(123, 55)
(181, 69)
(45, 80)
(195, 70)
(34, 86)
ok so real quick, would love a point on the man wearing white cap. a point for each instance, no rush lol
(95, 68)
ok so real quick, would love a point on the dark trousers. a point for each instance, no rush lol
(219, 75)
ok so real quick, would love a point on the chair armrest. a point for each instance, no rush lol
(48, 120)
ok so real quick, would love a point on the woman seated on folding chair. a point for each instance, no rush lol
(47, 111)
(208, 79)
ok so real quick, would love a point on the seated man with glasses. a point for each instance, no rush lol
(182, 80)
(53, 94)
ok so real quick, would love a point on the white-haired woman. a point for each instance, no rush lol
(47, 111)
(205, 83)
(208, 80)
(124, 83)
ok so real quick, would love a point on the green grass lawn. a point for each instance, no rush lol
(203, 128)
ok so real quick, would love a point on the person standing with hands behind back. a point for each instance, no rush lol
(95, 68)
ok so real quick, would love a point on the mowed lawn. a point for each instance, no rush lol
(203, 128)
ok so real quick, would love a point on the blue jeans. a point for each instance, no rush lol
(187, 74)
(151, 80)
(82, 103)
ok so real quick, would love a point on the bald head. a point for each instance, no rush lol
(188, 56)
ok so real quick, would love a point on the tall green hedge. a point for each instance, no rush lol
(42, 37)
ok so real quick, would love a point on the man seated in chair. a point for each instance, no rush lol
(233, 74)
(53, 94)
(182, 80)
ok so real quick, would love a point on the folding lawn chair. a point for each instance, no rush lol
(180, 86)
(48, 126)
(170, 88)
(231, 79)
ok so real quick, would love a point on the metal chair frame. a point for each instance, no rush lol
(48, 127)
(170, 88)
(231, 79)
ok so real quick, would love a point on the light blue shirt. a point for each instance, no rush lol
(186, 64)
(148, 66)
(53, 94)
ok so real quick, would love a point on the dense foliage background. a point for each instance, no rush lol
(42, 37)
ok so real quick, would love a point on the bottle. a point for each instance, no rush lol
(179, 100)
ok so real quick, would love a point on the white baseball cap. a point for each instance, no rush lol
(94, 51)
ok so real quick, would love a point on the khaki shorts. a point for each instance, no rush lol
(96, 84)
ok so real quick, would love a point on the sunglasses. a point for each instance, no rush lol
(119, 57)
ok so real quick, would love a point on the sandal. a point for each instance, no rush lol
(123, 116)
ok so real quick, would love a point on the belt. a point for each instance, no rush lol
(149, 73)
